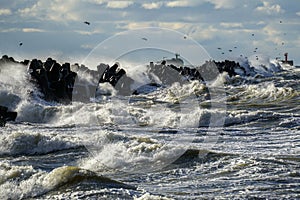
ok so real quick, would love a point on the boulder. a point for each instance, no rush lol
(6, 115)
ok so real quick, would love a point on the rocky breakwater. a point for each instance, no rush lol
(64, 83)
(209, 71)
(60, 82)
(88, 81)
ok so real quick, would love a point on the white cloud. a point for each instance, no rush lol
(119, 4)
(172, 25)
(9, 30)
(261, 23)
(136, 25)
(269, 9)
(169, 25)
(5, 12)
(89, 32)
(153, 5)
(25, 30)
(183, 3)
(225, 4)
(272, 34)
(231, 25)
(31, 30)
(97, 1)
(270, 31)
(57, 10)
(201, 33)
(25, 12)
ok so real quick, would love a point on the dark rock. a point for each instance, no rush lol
(54, 73)
(102, 69)
(5, 115)
(48, 64)
(60, 83)
(25, 62)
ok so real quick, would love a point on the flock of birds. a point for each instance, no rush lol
(256, 48)
(185, 37)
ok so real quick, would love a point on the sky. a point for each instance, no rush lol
(56, 28)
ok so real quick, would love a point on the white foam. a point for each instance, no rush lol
(35, 183)
(148, 196)
(266, 92)
(23, 143)
(132, 152)
(14, 85)
(259, 64)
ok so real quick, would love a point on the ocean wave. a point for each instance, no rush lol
(266, 92)
(22, 143)
(38, 183)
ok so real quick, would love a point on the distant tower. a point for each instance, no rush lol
(175, 61)
(286, 61)
(286, 57)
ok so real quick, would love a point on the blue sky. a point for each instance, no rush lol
(55, 28)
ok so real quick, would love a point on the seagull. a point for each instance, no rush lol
(144, 39)
(252, 34)
(230, 50)
(219, 48)
(223, 53)
(280, 22)
(235, 47)
(184, 37)
(20, 44)
(86, 22)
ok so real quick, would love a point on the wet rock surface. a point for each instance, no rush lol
(64, 83)
(6, 115)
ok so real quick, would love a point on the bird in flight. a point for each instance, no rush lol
(21, 43)
(144, 39)
(86, 22)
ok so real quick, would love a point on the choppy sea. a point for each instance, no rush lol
(156, 145)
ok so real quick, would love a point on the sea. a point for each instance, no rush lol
(233, 138)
